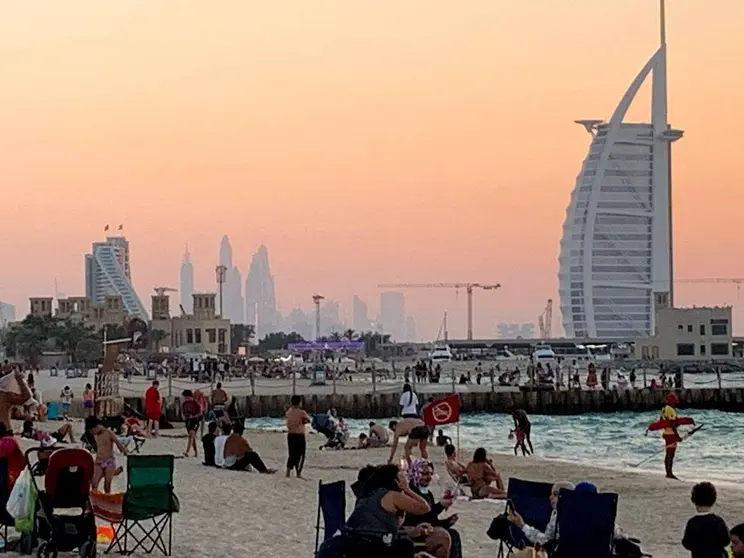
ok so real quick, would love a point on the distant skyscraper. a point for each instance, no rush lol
(7, 313)
(410, 329)
(330, 318)
(108, 272)
(360, 317)
(393, 315)
(616, 251)
(187, 282)
(232, 290)
(260, 296)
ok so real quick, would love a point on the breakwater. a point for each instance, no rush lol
(574, 402)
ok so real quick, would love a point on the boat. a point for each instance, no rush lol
(441, 353)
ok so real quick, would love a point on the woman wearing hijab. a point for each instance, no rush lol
(444, 541)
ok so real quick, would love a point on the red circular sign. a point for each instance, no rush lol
(442, 412)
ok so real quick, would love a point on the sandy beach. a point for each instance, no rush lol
(230, 513)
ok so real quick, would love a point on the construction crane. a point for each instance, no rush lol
(738, 281)
(160, 291)
(457, 286)
(545, 321)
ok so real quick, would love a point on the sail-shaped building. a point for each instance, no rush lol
(615, 263)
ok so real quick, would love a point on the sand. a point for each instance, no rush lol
(231, 513)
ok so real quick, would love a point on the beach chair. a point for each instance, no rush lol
(149, 498)
(459, 484)
(531, 500)
(332, 506)
(586, 525)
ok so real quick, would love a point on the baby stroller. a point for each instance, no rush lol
(64, 518)
(323, 424)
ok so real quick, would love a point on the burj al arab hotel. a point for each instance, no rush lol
(615, 263)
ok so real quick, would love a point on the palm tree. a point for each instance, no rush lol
(157, 336)
(350, 335)
(335, 336)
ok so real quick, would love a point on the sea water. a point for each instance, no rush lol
(608, 440)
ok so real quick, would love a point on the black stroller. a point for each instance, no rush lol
(66, 489)
(323, 424)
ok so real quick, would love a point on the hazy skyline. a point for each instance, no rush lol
(362, 143)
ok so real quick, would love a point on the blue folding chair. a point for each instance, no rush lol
(531, 500)
(586, 524)
(332, 506)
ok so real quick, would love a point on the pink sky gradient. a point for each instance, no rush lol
(363, 142)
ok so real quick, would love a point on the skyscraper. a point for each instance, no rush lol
(410, 329)
(616, 251)
(393, 314)
(232, 290)
(360, 317)
(187, 282)
(260, 297)
(108, 272)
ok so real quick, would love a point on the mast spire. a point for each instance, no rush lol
(662, 21)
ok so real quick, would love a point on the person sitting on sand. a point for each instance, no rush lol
(372, 528)
(378, 436)
(457, 469)
(208, 444)
(105, 464)
(219, 444)
(31, 433)
(482, 475)
(417, 432)
(706, 534)
(239, 454)
(444, 541)
(443, 440)
(133, 425)
(534, 535)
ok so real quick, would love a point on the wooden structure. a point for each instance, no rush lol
(107, 401)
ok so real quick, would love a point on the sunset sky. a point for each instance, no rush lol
(362, 142)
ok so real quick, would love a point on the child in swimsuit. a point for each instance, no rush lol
(105, 463)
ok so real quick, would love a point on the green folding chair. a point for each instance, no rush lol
(149, 498)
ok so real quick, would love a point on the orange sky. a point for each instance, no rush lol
(363, 142)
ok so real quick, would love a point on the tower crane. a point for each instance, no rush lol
(457, 286)
(160, 291)
(738, 281)
(545, 321)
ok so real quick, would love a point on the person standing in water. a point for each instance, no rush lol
(671, 436)
(522, 423)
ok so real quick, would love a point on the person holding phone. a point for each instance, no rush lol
(420, 475)
(534, 535)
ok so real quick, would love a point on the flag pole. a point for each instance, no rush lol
(458, 436)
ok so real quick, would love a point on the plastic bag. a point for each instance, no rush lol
(18, 501)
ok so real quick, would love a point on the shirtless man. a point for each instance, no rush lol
(8, 400)
(218, 399)
(417, 432)
(105, 465)
(378, 436)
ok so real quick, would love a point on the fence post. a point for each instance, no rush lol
(374, 382)
(333, 379)
(493, 385)
(294, 383)
(644, 377)
(718, 374)
(170, 382)
(453, 380)
(253, 382)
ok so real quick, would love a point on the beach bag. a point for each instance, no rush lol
(18, 501)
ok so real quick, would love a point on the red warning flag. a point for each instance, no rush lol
(443, 411)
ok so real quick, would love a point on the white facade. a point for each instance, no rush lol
(615, 264)
(107, 272)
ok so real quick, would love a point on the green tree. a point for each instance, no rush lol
(30, 338)
(72, 336)
(335, 336)
(373, 341)
(115, 331)
(350, 335)
(278, 341)
(241, 334)
(157, 336)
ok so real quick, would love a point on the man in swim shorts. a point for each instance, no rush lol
(417, 432)
(671, 436)
(105, 464)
